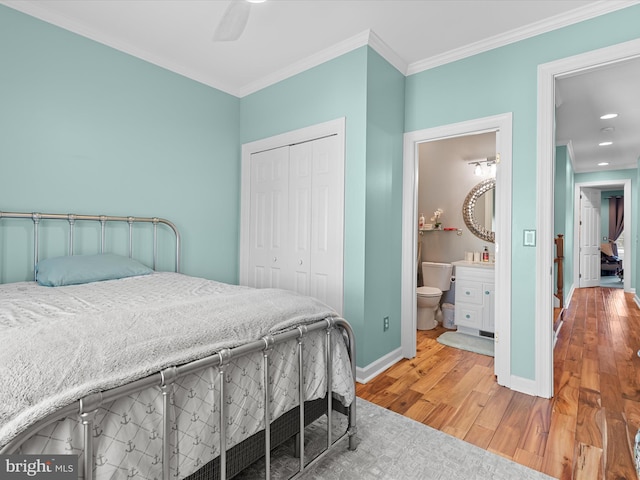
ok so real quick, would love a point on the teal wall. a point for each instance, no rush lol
(87, 129)
(505, 80)
(563, 205)
(335, 89)
(365, 89)
(383, 234)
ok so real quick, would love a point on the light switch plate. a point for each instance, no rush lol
(529, 238)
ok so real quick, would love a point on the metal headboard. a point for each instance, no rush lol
(103, 219)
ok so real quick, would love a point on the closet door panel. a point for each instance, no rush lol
(300, 175)
(269, 219)
(327, 221)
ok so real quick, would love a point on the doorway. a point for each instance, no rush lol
(547, 75)
(501, 125)
(599, 186)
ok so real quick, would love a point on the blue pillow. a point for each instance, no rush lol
(77, 269)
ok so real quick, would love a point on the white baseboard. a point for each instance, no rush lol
(557, 332)
(637, 300)
(366, 374)
(570, 296)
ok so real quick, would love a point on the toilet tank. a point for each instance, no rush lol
(437, 275)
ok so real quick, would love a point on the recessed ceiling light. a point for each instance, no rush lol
(604, 144)
(607, 129)
(603, 164)
(608, 116)
(256, 1)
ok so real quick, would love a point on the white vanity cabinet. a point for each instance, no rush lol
(474, 304)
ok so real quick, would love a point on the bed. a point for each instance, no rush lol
(143, 373)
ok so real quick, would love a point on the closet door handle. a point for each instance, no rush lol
(275, 259)
(300, 261)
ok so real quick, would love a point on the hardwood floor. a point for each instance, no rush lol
(585, 432)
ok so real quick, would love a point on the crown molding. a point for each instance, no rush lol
(522, 33)
(368, 38)
(314, 60)
(386, 52)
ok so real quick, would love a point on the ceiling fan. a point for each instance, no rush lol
(234, 20)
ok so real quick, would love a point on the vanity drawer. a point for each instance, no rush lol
(469, 292)
(468, 315)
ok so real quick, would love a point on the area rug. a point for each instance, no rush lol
(468, 342)
(393, 447)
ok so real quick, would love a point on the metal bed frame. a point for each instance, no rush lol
(103, 219)
(87, 408)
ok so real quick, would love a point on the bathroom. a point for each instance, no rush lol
(449, 171)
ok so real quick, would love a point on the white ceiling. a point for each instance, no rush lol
(583, 98)
(285, 37)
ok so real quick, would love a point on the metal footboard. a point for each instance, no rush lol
(88, 406)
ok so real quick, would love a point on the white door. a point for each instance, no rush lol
(327, 222)
(297, 219)
(269, 218)
(589, 237)
(299, 228)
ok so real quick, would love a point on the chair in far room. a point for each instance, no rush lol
(610, 263)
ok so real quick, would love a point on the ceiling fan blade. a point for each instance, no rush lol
(233, 21)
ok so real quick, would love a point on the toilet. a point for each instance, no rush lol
(437, 279)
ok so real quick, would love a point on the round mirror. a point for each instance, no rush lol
(478, 210)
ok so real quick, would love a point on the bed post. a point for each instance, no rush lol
(36, 221)
(72, 223)
(348, 332)
(329, 365)
(88, 409)
(268, 345)
(103, 224)
(224, 356)
(168, 377)
(301, 396)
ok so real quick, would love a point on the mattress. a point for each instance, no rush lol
(136, 326)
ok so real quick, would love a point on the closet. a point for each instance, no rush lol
(296, 219)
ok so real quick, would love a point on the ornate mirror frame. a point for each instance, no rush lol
(469, 207)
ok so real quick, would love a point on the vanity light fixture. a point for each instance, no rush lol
(608, 116)
(490, 162)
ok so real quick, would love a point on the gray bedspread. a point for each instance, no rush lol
(60, 344)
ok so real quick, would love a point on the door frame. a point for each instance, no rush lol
(332, 127)
(547, 74)
(502, 125)
(628, 222)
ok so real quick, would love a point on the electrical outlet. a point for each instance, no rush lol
(385, 323)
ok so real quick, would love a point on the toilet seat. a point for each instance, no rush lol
(429, 292)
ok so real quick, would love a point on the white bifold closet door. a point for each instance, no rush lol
(590, 199)
(297, 219)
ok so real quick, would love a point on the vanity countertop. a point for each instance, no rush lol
(464, 263)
